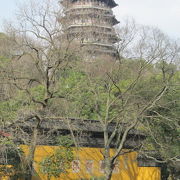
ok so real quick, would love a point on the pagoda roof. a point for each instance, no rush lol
(110, 3)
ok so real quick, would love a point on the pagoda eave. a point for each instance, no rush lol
(110, 3)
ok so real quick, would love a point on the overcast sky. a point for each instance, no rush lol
(164, 14)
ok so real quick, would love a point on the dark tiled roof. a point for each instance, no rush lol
(74, 124)
(88, 133)
(110, 3)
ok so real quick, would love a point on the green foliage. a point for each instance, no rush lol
(65, 141)
(86, 95)
(57, 163)
(2, 35)
(76, 89)
(80, 94)
(4, 61)
(38, 92)
(9, 108)
(163, 119)
(60, 161)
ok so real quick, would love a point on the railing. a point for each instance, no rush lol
(103, 33)
(88, 25)
(97, 3)
(89, 11)
(98, 44)
(88, 7)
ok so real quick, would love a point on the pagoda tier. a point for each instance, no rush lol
(109, 3)
(92, 35)
(91, 23)
(87, 16)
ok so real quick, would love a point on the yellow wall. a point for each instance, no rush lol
(127, 168)
(4, 178)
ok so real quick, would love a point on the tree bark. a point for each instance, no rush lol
(108, 164)
(32, 149)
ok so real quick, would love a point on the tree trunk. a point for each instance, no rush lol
(48, 177)
(108, 164)
(30, 157)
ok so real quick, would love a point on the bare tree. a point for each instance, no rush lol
(38, 57)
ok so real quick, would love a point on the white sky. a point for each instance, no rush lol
(164, 14)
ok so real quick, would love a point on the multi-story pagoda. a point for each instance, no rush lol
(91, 22)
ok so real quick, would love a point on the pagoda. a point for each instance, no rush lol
(90, 22)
